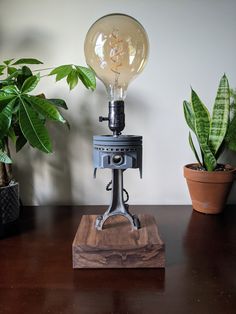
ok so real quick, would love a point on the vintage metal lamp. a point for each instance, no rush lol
(116, 48)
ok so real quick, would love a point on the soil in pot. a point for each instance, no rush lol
(209, 190)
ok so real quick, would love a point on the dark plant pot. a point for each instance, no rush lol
(9, 203)
(209, 190)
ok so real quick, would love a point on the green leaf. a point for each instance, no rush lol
(189, 115)
(61, 71)
(208, 158)
(58, 102)
(87, 77)
(27, 61)
(193, 148)
(11, 70)
(5, 119)
(202, 118)
(33, 128)
(20, 142)
(72, 79)
(4, 158)
(24, 73)
(10, 89)
(220, 116)
(5, 100)
(30, 84)
(202, 128)
(231, 135)
(45, 108)
(2, 68)
(7, 62)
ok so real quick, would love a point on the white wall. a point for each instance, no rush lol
(191, 42)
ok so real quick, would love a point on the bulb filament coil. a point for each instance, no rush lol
(117, 51)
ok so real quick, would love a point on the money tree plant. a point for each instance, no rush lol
(213, 132)
(24, 115)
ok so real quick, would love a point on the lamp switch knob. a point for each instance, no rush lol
(101, 119)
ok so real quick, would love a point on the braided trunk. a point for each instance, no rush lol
(5, 169)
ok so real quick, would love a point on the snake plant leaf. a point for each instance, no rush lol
(5, 119)
(230, 137)
(193, 148)
(4, 158)
(189, 115)
(202, 128)
(209, 159)
(27, 61)
(72, 79)
(30, 83)
(87, 77)
(45, 108)
(233, 101)
(220, 116)
(33, 128)
(202, 119)
(61, 71)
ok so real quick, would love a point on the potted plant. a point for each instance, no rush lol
(23, 118)
(209, 182)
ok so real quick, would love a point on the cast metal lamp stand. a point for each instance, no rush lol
(116, 48)
(117, 152)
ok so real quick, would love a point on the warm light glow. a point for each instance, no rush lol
(116, 47)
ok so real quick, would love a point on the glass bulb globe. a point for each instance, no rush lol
(116, 48)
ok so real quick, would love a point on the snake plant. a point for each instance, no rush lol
(213, 132)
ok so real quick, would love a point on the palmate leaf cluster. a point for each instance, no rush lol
(214, 132)
(23, 116)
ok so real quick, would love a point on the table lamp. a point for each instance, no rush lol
(116, 48)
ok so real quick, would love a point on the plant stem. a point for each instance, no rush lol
(5, 169)
(3, 175)
(8, 166)
(45, 69)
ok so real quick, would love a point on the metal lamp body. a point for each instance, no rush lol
(117, 153)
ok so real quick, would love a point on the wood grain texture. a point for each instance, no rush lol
(117, 245)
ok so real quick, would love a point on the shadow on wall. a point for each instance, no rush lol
(53, 175)
(25, 42)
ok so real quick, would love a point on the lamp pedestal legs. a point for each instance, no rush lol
(117, 207)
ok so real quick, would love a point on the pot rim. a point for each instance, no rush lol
(209, 176)
(11, 184)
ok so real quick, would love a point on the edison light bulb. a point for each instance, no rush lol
(116, 48)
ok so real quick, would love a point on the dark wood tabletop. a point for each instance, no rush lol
(36, 274)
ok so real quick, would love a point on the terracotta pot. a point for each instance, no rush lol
(209, 190)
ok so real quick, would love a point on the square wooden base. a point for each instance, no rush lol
(117, 246)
